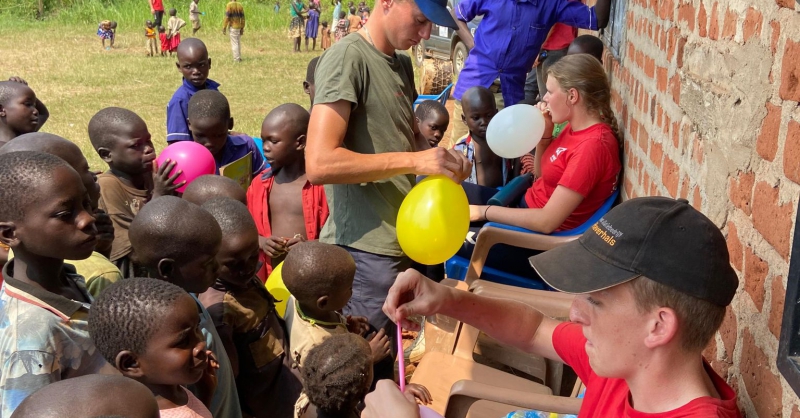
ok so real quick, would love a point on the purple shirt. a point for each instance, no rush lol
(510, 36)
(178, 110)
(237, 146)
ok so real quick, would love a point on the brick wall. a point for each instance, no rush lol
(707, 93)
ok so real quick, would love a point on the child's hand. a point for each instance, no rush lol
(419, 392)
(291, 242)
(105, 232)
(380, 345)
(357, 324)
(207, 384)
(163, 182)
(272, 246)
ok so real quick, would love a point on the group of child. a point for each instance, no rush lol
(158, 39)
(186, 314)
(343, 23)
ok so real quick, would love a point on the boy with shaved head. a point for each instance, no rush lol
(194, 64)
(20, 111)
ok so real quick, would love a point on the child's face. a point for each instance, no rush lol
(149, 24)
(194, 64)
(338, 300)
(238, 257)
(132, 152)
(281, 146)
(210, 132)
(59, 224)
(434, 127)
(198, 274)
(477, 117)
(20, 112)
(77, 161)
(176, 351)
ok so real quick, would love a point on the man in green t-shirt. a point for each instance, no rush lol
(364, 145)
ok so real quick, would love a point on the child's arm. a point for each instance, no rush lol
(380, 345)
(164, 180)
(419, 392)
(207, 384)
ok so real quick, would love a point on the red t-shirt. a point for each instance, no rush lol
(606, 397)
(584, 161)
(157, 5)
(561, 36)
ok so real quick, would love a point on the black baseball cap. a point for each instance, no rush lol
(663, 239)
(436, 11)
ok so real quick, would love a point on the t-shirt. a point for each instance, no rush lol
(194, 13)
(354, 23)
(236, 147)
(381, 90)
(97, 271)
(178, 107)
(150, 33)
(586, 162)
(306, 333)
(157, 5)
(122, 203)
(606, 397)
(193, 409)
(560, 37)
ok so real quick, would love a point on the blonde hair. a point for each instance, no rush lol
(698, 319)
(585, 74)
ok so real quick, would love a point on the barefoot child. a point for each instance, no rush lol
(148, 329)
(432, 120)
(194, 65)
(104, 32)
(45, 217)
(210, 122)
(299, 208)
(341, 27)
(210, 186)
(20, 111)
(174, 25)
(312, 26)
(194, 16)
(122, 140)
(177, 241)
(151, 47)
(297, 9)
(325, 43)
(162, 36)
(244, 314)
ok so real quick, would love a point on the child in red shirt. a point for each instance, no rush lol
(165, 44)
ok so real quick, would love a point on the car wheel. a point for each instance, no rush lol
(419, 54)
(460, 54)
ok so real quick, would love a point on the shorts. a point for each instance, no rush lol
(195, 24)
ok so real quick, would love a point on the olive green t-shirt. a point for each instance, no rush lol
(381, 90)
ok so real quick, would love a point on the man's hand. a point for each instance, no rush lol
(380, 345)
(388, 402)
(273, 246)
(357, 325)
(414, 294)
(164, 179)
(449, 163)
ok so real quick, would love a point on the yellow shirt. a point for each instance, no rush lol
(234, 16)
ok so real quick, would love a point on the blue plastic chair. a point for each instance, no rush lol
(441, 97)
(493, 233)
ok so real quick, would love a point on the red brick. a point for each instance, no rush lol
(665, 10)
(713, 23)
(649, 67)
(740, 191)
(654, 190)
(634, 130)
(676, 132)
(790, 72)
(656, 154)
(735, 247)
(767, 143)
(681, 45)
(762, 385)
(669, 176)
(659, 115)
(675, 89)
(645, 181)
(627, 186)
(672, 38)
(684, 188)
(729, 26)
(662, 40)
(785, 3)
(697, 149)
(728, 331)
(776, 35)
(702, 20)
(791, 152)
(697, 199)
(755, 273)
(772, 219)
(686, 14)
(643, 136)
(776, 312)
(752, 24)
(795, 412)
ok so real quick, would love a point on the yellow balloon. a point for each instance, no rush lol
(433, 220)
(278, 290)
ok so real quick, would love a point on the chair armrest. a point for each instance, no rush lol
(553, 304)
(489, 235)
(465, 392)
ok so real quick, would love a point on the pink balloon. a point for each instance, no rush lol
(425, 412)
(190, 157)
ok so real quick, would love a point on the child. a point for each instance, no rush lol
(20, 111)
(312, 26)
(194, 65)
(299, 207)
(162, 36)
(365, 16)
(488, 169)
(210, 121)
(148, 329)
(151, 47)
(205, 188)
(113, 27)
(277, 7)
(77, 397)
(353, 21)
(432, 120)
(320, 278)
(296, 24)
(194, 16)
(308, 84)
(97, 271)
(341, 27)
(587, 44)
(104, 32)
(337, 376)
(122, 140)
(177, 241)
(44, 218)
(174, 25)
(244, 314)
(325, 43)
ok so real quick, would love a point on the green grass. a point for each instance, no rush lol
(62, 60)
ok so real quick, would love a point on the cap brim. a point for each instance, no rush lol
(436, 13)
(571, 268)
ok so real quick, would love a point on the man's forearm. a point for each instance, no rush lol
(463, 31)
(603, 11)
(342, 166)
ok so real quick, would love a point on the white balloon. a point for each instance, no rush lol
(515, 131)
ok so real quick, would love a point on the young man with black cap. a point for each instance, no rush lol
(361, 143)
(653, 278)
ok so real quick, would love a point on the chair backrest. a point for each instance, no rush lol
(441, 97)
(607, 205)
